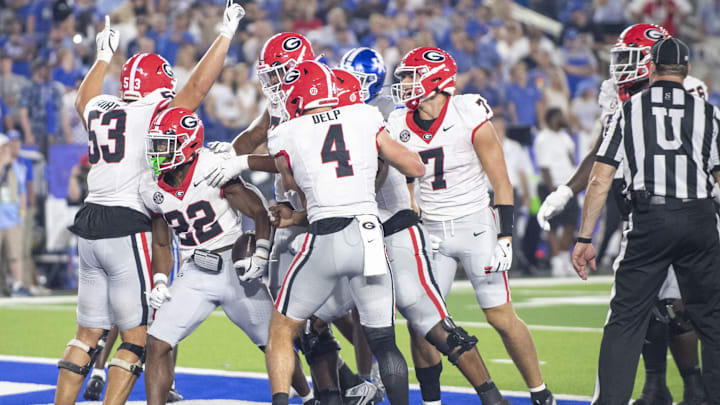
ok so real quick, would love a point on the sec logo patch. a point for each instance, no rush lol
(158, 198)
(405, 135)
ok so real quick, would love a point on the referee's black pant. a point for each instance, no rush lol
(685, 235)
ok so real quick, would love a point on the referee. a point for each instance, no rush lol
(669, 139)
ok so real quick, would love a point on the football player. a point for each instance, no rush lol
(418, 296)
(207, 224)
(338, 195)
(629, 69)
(461, 151)
(112, 226)
(279, 54)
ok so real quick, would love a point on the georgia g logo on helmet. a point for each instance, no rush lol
(189, 122)
(654, 34)
(291, 44)
(291, 76)
(168, 70)
(433, 56)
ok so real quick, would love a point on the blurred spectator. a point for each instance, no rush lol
(585, 110)
(514, 45)
(186, 60)
(609, 11)
(330, 34)
(480, 83)
(77, 187)
(247, 95)
(554, 154)
(577, 60)
(222, 106)
(557, 94)
(581, 26)
(40, 108)
(18, 47)
(525, 102)
(303, 13)
(143, 31)
(66, 73)
(708, 14)
(668, 13)
(169, 41)
(378, 25)
(10, 83)
(72, 124)
(11, 230)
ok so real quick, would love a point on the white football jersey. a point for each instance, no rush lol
(454, 184)
(116, 142)
(393, 196)
(333, 158)
(277, 114)
(198, 213)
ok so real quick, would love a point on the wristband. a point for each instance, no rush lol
(506, 215)
(584, 240)
(160, 278)
(262, 248)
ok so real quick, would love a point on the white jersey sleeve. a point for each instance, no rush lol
(473, 109)
(116, 138)
(333, 158)
(696, 87)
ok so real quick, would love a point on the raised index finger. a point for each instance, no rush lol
(107, 21)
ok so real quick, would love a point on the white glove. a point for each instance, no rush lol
(226, 171)
(220, 147)
(502, 258)
(435, 243)
(107, 42)
(160, 293)
(553, 205)
(254, 267)
(234, 12)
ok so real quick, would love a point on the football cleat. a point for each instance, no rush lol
(174, 395)
(361, 394)
(94, 388)
(654, 394)
(549, 400)
(377, 381)
(694, 391)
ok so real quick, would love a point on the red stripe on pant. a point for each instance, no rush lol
(148, 263)
(290, 270)
(507, 287)
(423, 280)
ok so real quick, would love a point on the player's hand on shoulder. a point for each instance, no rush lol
(228, 169)
(107, 42)
(502, 256)
(254, 266)
(160, 292)
(220, 147)
(554, 203)
(234, 12)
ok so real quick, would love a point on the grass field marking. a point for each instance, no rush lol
(508, 361)
(543, 282)
(15, 388)
(555, 301)
(58, 299)
(549, 328)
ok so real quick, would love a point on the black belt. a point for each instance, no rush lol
(329, 225)
(401, 220)
(642, 201)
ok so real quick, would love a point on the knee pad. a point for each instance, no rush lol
(135, 368)
(458, 341)
(679, 323)
(316, 344)
(92, 352)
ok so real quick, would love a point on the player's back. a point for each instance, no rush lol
(197, 212)
(116, 139)
(333, 158)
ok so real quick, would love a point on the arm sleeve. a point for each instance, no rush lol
(610, 151)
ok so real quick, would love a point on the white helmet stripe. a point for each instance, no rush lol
(134, 69)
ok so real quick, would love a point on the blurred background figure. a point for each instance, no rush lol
(11, 225)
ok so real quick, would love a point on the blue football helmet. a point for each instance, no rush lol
(368, 66)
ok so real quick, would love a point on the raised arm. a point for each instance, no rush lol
(209, 67)
(107, 42)
(398, 156)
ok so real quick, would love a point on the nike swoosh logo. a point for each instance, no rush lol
(478, 233)
(448, 128)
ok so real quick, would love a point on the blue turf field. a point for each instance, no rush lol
(193, 384)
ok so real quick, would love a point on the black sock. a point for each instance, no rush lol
(489, 394)
(688, 372)
(429, 379)
(540, 396)
(348, 379)
(654, 350)
(280, 398)
(330, 397)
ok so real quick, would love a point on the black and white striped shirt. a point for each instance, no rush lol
(669, 140)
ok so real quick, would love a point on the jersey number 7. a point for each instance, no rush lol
(438, 155)
(114, 120)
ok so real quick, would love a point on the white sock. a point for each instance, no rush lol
(432, 403)
(173, 385)
(98, 371)
(308, 397)
(17, 285)
(539, 388)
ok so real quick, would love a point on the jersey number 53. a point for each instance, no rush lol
(109, 129)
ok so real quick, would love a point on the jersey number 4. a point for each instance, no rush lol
(188, 237)
(114, 120)
(334, 150)
(438, 155)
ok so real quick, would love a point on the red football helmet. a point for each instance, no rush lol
(308, 85)
(144, 73)
(175, 135)
(349, 89)
(433, 71)
(279, 54)
(630, 57)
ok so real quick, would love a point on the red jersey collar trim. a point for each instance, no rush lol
(180, 192)
(410, 122)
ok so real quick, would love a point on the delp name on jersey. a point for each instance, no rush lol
(116, 138)
(198, 213)
(454, 180)
(334, 184)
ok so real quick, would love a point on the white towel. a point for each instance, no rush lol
(375, 263)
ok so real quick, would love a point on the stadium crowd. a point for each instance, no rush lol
(540, 78)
